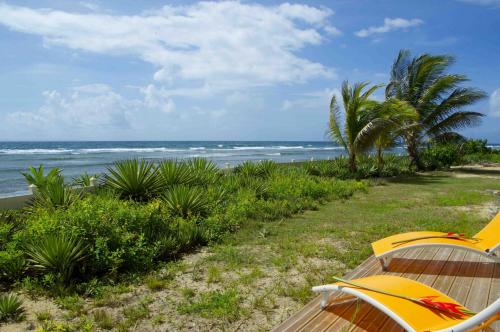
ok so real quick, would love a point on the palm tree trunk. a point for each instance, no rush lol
(380, 158)
(352, 162)
(412, 148)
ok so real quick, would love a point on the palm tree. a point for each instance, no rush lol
(399, 116)
(435, 95)
(362, 124)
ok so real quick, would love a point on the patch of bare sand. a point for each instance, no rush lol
(486, 211)
(488, 171)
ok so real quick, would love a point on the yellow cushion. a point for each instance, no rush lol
(419, 317)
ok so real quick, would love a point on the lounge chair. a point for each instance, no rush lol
(411, 315)
(485, 242)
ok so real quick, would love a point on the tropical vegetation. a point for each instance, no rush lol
(78, 240)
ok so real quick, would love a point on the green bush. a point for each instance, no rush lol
(438, 156)
(204, 171)
(84, 179)
(367, 167)
(186, 201)
(164, 211)
(11, 308)
(472, 146)
(134, 179)
(174, 173)
(58, 254)
(55, 194)
(37, 177)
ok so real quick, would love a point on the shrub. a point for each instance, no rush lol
(173, 173)
(185, 201)
(55, 194)
(58, 254)
(134, 179)
(11, 308)
(37, 177)
(263, 169)
(472, 146)
(439, 156)
(267, 168)
(204, 171)
(84, 180)
(247, 168)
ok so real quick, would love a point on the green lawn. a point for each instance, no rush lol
(262, 274)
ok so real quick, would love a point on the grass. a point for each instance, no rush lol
(218, 304)
(260, 275)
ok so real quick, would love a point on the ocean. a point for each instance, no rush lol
(75, 158)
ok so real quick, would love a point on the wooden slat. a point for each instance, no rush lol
(312, 308)
(495, 292)
(464, 276)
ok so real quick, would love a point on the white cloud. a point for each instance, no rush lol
(158, 98)
(319, 99)
(495, 103)
(88, 107)
(331, 30)
(390, 24)
(222, 45)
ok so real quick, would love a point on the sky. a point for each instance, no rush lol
(223, 70)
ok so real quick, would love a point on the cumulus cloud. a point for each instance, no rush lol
(495, 103)
(390, 24)
(95, 106)
(319, 99)
(221, 45)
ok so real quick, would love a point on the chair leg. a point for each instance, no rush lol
(385, 261)
(324, 299)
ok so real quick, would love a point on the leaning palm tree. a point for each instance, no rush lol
(436, 96)
(362, 123)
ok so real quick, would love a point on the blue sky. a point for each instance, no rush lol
(179, 70)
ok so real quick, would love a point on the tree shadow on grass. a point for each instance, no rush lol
(475, 171)
(422, 179)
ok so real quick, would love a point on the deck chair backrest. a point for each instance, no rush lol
(490, 234)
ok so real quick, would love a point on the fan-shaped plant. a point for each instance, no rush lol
(11, 308)
(85, 179)
(58, 254)
(247, 168)
(205, 171)
(55, 194)
(185, 201)
(134, 179)
(37, 177)
(267, 167)
(173, 173)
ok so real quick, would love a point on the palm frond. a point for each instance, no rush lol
(334, 131)
(457, 120)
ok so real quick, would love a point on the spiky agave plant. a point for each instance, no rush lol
(55, 194)
(247, 168)
(85, 179)
(205, 171)
(267, 167)
(37, 177)
(11, 308)
(134, 179)
(173, 173)
(186, 201)
(58, 254)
